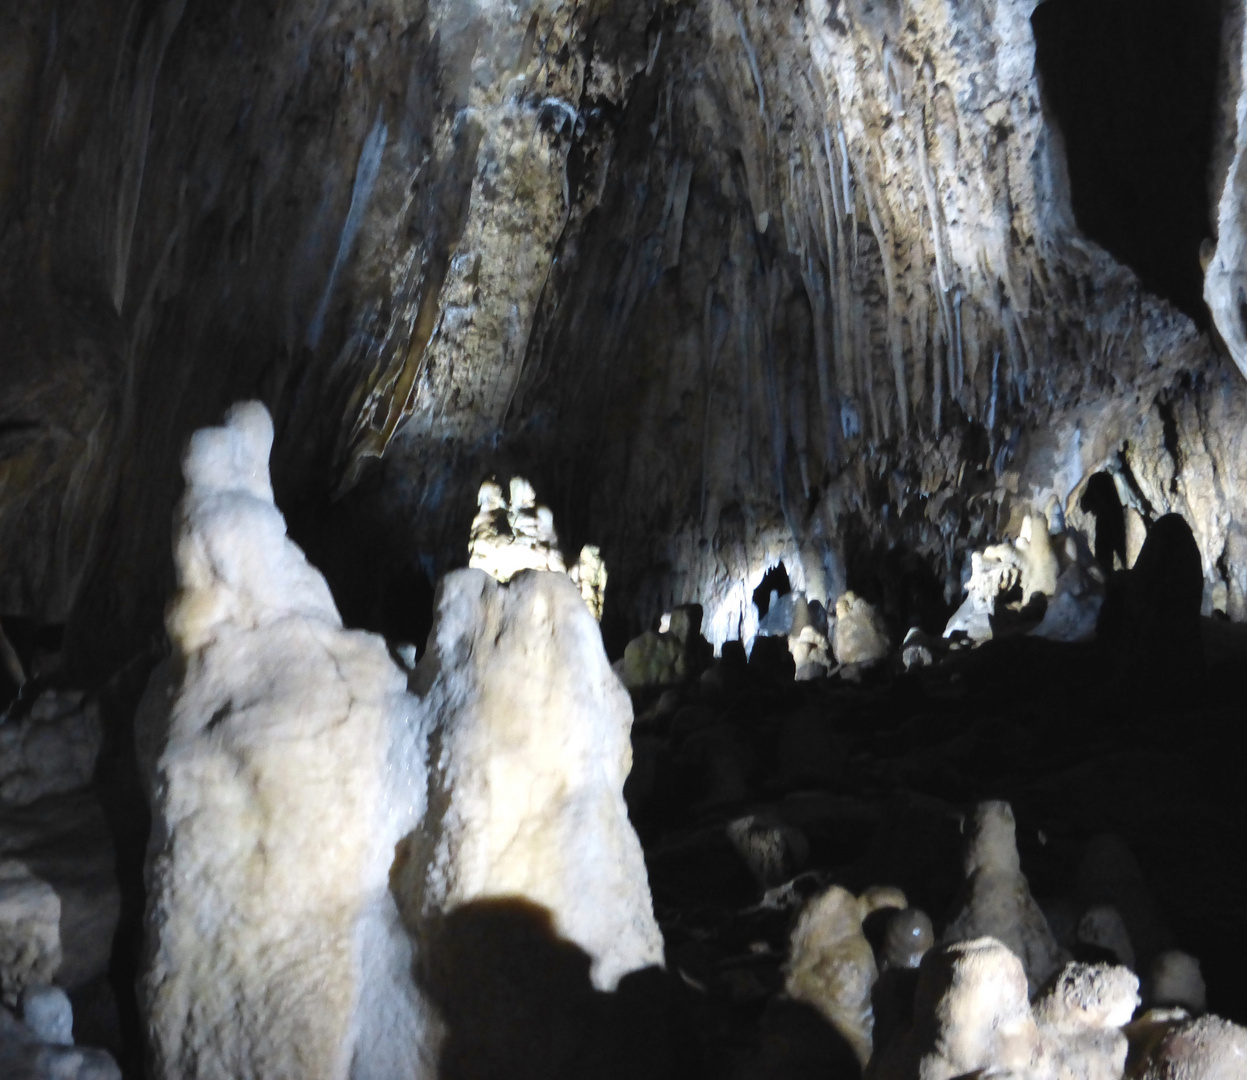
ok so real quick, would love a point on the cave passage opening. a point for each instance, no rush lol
(1132, 84)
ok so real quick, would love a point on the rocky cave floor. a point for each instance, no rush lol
(877, 778)
(855, 783)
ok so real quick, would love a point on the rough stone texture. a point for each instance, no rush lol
(1174, 980)
(972, 1017)
(66, 843)
(30, 936)
(998, 901)
(51, 750)
(293, 764)
(512, 534)
(831, 966)
(739, 283)
(1205, 1049)
(908, 938)
(25, 1056)
(47, 1012)
(531, 734)
(859, 636)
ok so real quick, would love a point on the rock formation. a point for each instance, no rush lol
(30, 936)
(831, 966)
(531, 729)
(998, 902)
(293, 763)
(971, 1015)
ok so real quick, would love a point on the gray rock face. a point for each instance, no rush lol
(30, 936)
(51, 750)
(65, 842)
(850, 298)
(47, 1012)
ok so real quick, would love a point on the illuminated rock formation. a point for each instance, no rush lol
(293, 763)
(532, 734)
(998, 901)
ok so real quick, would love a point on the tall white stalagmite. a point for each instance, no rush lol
(293, 764)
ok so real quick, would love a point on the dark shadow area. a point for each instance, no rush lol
(775, 580)
(1151, 619)
(519, 1005)
(899, 582)
(1132, 85)
(377, 580)
(1100, 499)
(29, 652)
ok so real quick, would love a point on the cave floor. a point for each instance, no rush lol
(878, 776)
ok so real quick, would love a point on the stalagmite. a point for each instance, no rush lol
(532, 734)
(292, 765)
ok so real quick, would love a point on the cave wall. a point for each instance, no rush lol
(731, 282)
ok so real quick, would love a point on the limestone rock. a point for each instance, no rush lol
(832, 967)
(1208, 1048)
(1080, 1017)
(1088, 996)
(908, 938)
(1040, 567)
(1103, 927)
(972, 1017)
(589, 574)
(25, 1055)
(860, 636)
(994, 572)
(510, 534)
(998, 901)
(1074, 608)
(666, 657)
(532, 729)
(52, 749)
(772, 849)
(971, 1013)
(1110, 874)
(30, 936)
(1174, 979)
(293, 764)
(65, 841)
(47, 1012)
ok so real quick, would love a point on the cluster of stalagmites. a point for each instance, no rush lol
(334, 841)
(324, 832)
(1044, 583)
(998, 995)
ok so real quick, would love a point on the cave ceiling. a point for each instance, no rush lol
(731, 282)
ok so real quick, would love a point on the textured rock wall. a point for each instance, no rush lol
(730, 283)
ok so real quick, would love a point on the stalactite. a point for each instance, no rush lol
(895, 345)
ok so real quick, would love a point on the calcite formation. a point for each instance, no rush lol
(292, 765)
(849, 308)
(50, 750)
(972, 1016)
(295, 764)
(832, 966)
(998, 901)
(30, 937)
(532, 735)
(859, 635)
